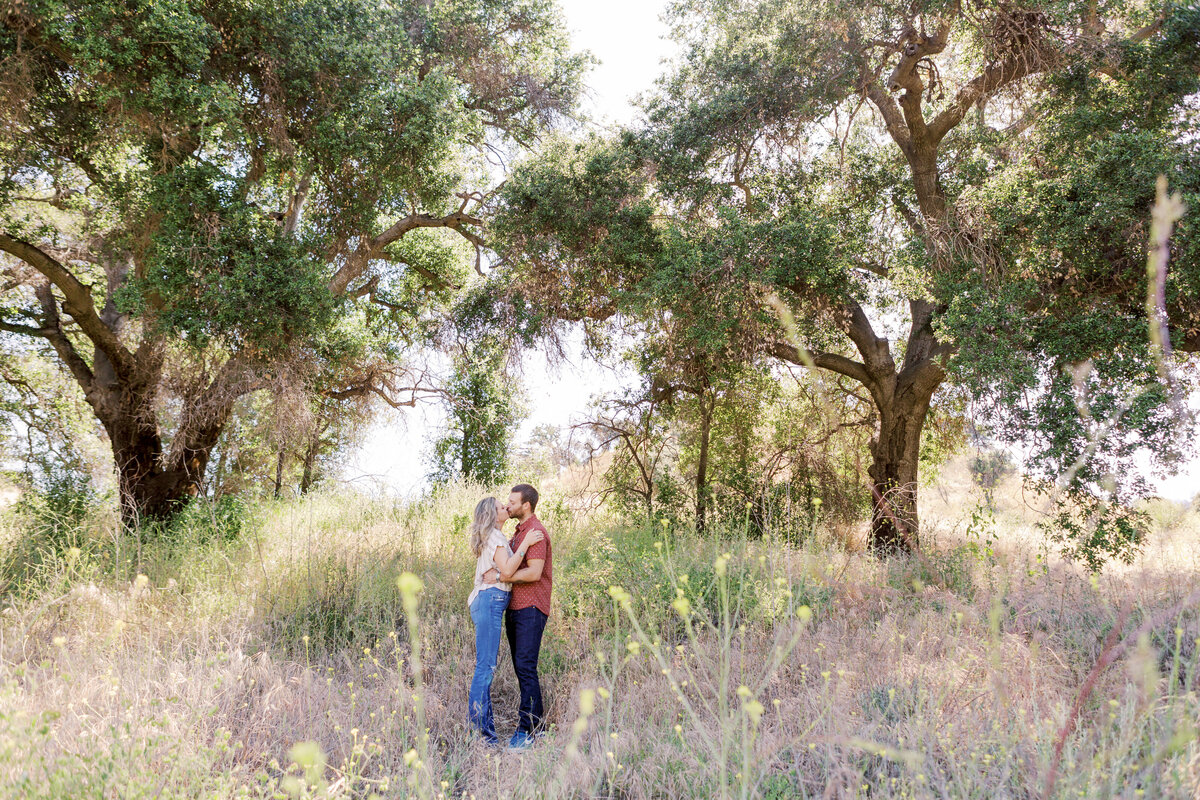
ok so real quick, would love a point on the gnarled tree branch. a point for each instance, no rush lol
(291, 218)
(830, 361)
(373, 248)
(993, 78)
(78, 301)
(52, 330)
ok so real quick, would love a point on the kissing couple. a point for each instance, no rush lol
(512, 589)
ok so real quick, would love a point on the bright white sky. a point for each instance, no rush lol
(628, 39)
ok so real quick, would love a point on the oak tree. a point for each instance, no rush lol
(199, 196)
(905, 195)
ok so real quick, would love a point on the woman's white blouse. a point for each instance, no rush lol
(484, 563)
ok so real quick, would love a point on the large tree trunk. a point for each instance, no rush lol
(122, 386)
(148, 492)
(902, 400)
(155, 485)
(310, 460)
(895, 452)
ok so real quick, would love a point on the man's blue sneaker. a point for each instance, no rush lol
(520, 741)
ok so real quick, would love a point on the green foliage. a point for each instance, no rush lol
(578, 231)
(577, 214)
(221, 271)
(1094, 530)
(547, 450)
(783, 455)
(990, 466)
(1065, 285)
(893, 703)
(343, 608)
(776, 459)
(57, 507)
(47, 526)
(242, 193)
(578, 227)
(782, 59)
(483, 405)
(219, 521)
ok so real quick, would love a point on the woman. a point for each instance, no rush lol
(487, 603)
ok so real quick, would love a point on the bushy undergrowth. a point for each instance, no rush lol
(268, 653)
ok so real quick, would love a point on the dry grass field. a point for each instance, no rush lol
(281, 663)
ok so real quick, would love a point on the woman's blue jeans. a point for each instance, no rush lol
(487, 612)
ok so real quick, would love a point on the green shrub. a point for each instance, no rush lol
(205, 521)
(332, 606)
(950, 569)
(48, 526)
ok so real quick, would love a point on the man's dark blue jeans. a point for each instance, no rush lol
(524, 628)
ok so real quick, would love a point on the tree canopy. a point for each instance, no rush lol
(907, 197)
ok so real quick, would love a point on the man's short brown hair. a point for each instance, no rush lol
(528, 494)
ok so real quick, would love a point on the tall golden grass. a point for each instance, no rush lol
(287, 663)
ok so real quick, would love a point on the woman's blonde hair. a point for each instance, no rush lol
(485, 519)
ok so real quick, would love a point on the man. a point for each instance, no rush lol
(528, 610)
